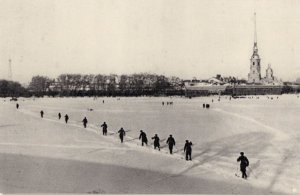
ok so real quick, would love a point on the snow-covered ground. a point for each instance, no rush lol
(47, 155)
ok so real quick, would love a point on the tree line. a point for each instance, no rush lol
(12, 89)
(106, 85)
(142, 84)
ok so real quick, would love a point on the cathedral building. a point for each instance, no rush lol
(254, 76)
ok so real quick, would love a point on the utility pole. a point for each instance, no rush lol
(9, 70)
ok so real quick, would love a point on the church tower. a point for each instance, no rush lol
(254, 75)
(269, 74)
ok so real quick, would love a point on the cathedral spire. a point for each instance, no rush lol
(255, 35)
(254, 75)
(255, 49)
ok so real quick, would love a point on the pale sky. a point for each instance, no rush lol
(188, 38)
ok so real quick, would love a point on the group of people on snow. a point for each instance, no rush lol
(244, 162)
(66, 117)
(168, 103)
(143, 137)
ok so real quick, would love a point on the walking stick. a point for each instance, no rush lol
(237, 170)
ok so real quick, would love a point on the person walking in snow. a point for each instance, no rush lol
(143, 136)
(42, 113)
(66, 118)
(59, 116)
(156, 142)
(85, 121)
(244, 163)
(171, 143)
(104, 128)
(121, 134)
(17, 106)
(188, 150)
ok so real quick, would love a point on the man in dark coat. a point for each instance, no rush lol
(17, 106)
(121, 134)
(188, 150)
(59, 115)
(171, 143)
(104, 128)
(143, 136)
(156, 142)
(244, 163)
(66, 118)
(42, 113)
(85, 121)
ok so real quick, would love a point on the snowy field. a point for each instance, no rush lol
(46, 155)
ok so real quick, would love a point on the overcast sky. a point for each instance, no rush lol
(182, 38)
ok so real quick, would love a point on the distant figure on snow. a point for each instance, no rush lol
(143, 136)
(203, 105)
(103, 101)
(85, 121)
(244, 163)
(59, 116)
(163, 103)
(188, 150)
(121, 134)
(104, 128)
(171, 143)
(156, 142)
(66, 118)
(17, 106)
(42, 113)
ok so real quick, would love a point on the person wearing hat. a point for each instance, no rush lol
(85, 121)
(171, 143)
(188, 150)
(104, 128)
(66, 118)
(244, 163)
(121, 134)
(143, 136)
(156, 142)
(42, 113)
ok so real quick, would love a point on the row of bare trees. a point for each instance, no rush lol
(108, 85)
(12, 89)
